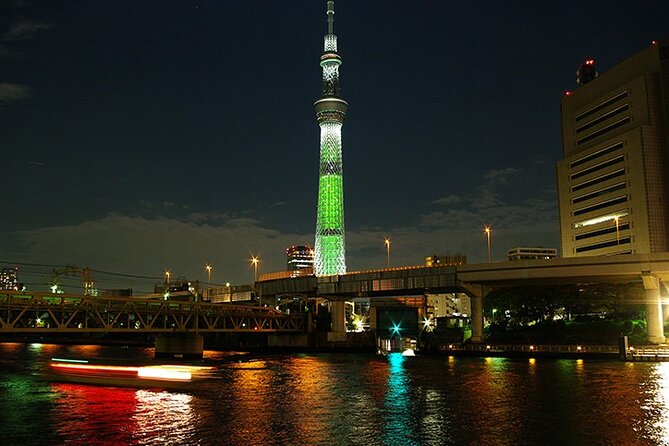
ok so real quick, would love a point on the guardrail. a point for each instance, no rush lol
(500, 349)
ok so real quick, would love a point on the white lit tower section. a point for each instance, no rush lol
(329, 251)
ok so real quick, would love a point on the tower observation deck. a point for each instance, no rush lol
(330, 249)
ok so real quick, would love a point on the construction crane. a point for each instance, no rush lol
(72, 270)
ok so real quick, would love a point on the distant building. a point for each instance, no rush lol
(300, 260)
(9, 279)
(454, 260)
(531, 253)
(613, 182)
(448, 305)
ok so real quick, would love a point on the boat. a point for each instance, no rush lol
(117, 374)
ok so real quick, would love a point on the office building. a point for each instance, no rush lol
(447, 260)
(613, 179)
(9, 279)
(531, 253)
(300, 260)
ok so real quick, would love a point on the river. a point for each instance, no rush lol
(341, 399)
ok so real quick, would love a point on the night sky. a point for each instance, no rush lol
(139, 136)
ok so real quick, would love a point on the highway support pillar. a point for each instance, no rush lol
(372, 319)
(179, 346)
(338, 316)
(654, 319)
(477, 293)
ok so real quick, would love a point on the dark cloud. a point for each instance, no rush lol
(12, 92)
(450, 199)
(501, 176)
(23, 30)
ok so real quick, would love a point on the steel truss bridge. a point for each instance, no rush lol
(28, 312)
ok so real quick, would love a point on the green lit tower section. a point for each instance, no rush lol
(330, 250)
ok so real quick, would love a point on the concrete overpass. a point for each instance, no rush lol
(477, 280)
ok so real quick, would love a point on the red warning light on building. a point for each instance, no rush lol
(586, 72)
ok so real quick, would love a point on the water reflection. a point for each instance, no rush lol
(84, 415)
(397, 411)
(658, 409)
(346, 399)
(164, 418)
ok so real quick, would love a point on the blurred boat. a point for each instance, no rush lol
(114, 373)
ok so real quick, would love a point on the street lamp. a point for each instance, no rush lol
(167, 276)
(487, 231)
(255, 261)
(208, 268)
(387, 242)
(617, 219)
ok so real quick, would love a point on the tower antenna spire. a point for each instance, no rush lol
(330, 245)
(330, 16)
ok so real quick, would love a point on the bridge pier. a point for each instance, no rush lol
(477, 293)
(372, 319)
(179, 346)
(338, 318)
(654, 319)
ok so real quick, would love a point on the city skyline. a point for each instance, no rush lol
(141, 140)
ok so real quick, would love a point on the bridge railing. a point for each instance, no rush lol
(43, 312)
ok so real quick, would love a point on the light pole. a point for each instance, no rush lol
(387, 242)
(255, 261)
(208, 268)
(617, 230)
(167, 276)
(487, 231)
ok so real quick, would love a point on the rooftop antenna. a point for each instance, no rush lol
(330, 16)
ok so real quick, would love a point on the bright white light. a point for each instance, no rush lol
(164, 373)
(600, 219)
(330, 43)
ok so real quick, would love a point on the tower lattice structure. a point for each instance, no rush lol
(330, 249)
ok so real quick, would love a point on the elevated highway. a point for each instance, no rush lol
(477, 280)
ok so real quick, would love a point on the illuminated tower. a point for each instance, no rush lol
(330, 252)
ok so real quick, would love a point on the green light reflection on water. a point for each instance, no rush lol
(28, 398)
(397, 404)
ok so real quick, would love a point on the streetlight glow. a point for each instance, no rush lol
(167, 275)
(254, 261)
(387, 242)
(487, 231)
(208, 268)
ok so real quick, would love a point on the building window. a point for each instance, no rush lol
(601, 219)
(604, 117)
(598, 180)
(604, 130)
(622, 241)
(595, 168)
(602, 205)
(597, 154)
(600, 192)
(601, 106)
(609, 230)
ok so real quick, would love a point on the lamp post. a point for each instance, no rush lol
(487, 231)
(387, 242)
(167, 276)
(617, 219)
(255, 261)
(208, 268)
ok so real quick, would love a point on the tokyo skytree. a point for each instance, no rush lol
(330, 249)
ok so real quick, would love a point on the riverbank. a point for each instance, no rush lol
(532, 351)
